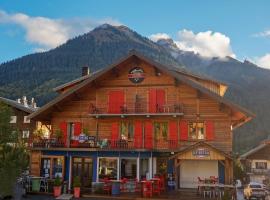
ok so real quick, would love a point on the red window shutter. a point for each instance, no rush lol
(116, 100)
(114, 134)
(77, 128)
(63, 128)
(183, 130)
(152, 101)
(160, 99)
(138, 134)
(173, 130)
(210, 132)
(148, 135)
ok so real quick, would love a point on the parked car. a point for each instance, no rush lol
(254, 190)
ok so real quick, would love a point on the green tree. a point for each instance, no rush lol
(13, 156)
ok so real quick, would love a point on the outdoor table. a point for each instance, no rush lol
(115, 187)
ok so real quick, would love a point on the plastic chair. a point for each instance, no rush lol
(107, 186)
(147, 189)
(162, 184)
(156, 187)
(123, 185)
(137, 186)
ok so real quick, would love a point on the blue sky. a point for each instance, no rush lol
(237, 28)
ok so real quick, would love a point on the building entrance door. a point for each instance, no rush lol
(83, 167)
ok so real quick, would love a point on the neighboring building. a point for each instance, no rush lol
(21, 109)
(256, 163)
(137, 118)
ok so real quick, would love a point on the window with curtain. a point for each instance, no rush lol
(196, 130)
(127, 130)
(161, 130)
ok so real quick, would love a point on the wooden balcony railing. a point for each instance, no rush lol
(105, 144)
(136, 108)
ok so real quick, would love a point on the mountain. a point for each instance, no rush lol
(35, 75)
(248, 86)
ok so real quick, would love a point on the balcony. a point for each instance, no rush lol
(136, 109)
(105, 144)
(258, 171)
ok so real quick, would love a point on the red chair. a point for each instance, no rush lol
(107, 186)
(123, 185)
(137, 186)
(162, 184)
(156, 187)
(147, 189)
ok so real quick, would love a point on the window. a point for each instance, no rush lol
(161, 130)
(129, 168)
(107, 168)
(25, 134)
(57, 169)
(51, 167)
(25, 120)
(261, 165)
(70, 129)
(127, 130)
(13, 119)
(144, 168)
(196, 130)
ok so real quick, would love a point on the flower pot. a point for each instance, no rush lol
(77, 192)
(57, 191)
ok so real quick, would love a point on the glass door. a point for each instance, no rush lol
(83, 167)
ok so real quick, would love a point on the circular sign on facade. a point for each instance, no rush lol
(136, 75)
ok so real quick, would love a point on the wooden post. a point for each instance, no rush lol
(228, 171)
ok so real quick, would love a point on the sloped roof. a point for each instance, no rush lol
(200, 143)
(254, 150)
(17, 105)
(133, 52)
(170, 70)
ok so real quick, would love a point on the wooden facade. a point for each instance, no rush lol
(19, 118)
(256, 163)
(167, 112)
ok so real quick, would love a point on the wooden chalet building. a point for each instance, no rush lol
(137, 118)
(256, 163)
(21, 109)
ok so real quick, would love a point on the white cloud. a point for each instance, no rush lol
(207, 44)
(48, 33)
(265, 33)
(263, 61)
(158, 36)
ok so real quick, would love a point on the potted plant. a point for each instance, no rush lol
(58, 134)
(77, 186)
(57, 187)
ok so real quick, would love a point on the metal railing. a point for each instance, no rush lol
(135, 108)
(107, 144)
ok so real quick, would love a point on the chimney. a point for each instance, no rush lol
(24, 101)
(33, 103)
(85, 70)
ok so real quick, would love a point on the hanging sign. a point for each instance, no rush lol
(84, 138)
(136, 75)
(201, 152)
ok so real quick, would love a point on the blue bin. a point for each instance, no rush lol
(115, 188)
